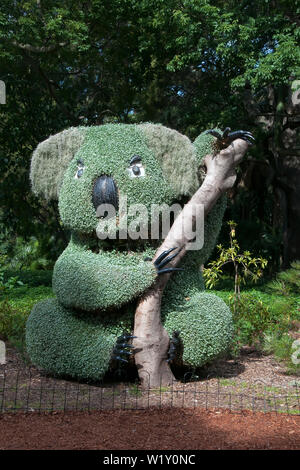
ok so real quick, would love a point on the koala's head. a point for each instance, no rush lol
(85, 167)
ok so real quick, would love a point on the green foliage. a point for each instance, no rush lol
(204, 144)
(12, 322)
(273, 61)
(29, 277)
(28, 255)
(72, 344)
(90, 281)
(173, 150)
(92, 275)
(258, 313)
(24, 298)
(281, 345)
(7, 282)
(245, 262)
(252, 317)
(252, 207)
(205, 325)
(288, 281)
(188, 65)
(184, 64)
(15, 307)
(115, 144)
(50, 160)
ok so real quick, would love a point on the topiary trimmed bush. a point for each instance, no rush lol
(73, 344)
(97, 282)
(207, 315)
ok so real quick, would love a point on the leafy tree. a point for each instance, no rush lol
(188, 64)
(245, 265)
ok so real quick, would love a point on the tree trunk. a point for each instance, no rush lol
(152, 341)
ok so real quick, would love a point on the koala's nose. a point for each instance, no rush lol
(105, 191)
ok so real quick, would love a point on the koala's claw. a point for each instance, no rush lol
(245, 135)
(227, 137)
(124, 345)
(122, 348)
(122, 351)
(124, 337)
(174, 343)
(164, 259)
(119, 358)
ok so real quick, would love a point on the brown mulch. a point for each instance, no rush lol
(203, 414)
(166, 429)
(253, 381)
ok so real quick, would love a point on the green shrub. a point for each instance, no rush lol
(28, 255)
(9, 282)
(206, 328)
(12, 322)
(30, 277)
(14, 311)
(281, 345)
(251, 318)
(23, 298)
(288, 281)
(66, 343)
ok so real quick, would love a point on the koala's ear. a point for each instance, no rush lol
(51, 159)
(204, 145)
(177, 157)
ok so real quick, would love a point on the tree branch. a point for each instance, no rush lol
(152, 340)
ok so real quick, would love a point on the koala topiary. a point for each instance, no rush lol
(97, 282)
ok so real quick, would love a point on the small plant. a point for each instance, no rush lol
(245, 265)
(252, 319)
(9, 283)
(281, 345)
(28, 255)
(288, 281)
(12, 322)
(135, 391)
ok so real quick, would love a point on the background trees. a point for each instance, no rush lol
(189, 64)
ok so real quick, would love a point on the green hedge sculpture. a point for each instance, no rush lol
(97, 282)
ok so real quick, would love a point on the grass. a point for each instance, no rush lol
(264, 319)
(24, 298)
(15, 307)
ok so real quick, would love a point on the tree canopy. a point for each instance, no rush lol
(189, 64)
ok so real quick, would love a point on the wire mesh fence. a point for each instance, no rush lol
(28, 390)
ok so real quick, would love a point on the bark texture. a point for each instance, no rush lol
(152, 340)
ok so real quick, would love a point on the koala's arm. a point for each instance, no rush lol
(100, 281)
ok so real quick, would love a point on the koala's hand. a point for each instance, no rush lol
(164, 259)
(227, 137)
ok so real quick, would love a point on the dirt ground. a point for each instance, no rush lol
(166, 429)
(253, 381)
(230, 406)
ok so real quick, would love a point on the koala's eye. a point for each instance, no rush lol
(136, 168)
(80, 169)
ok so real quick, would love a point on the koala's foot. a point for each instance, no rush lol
(227, 137)
(122, 350)
(174, 346)
(164, 259)
(205, 325)
(70, 344)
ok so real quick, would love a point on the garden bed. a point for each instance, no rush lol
(172, 429)
(253, 381)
